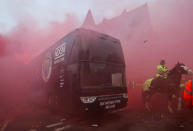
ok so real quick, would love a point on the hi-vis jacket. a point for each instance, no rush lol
(162, 71)
(188, 94)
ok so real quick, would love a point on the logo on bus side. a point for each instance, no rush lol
(59, 53)
(47, 67)
(60, 50)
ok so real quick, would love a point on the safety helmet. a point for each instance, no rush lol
(162, 62)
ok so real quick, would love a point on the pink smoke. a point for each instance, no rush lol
(17, 48)
(27, 40)
(170, 39)
(2, 45)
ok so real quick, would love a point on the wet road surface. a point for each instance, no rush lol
(42, 119)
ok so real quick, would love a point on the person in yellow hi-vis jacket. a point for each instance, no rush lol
(161, 74)
(162, 70)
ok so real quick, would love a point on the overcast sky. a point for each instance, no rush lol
(45, 11)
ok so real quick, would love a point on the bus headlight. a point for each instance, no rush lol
(88, 99)
(125, 95)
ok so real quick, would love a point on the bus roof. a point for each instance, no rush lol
(89, 34)
(87, 39)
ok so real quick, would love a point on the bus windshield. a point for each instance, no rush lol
(102, 50)
(102, 75)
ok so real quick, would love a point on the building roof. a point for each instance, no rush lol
(89, 21)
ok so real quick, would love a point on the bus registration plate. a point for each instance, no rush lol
(110, 104)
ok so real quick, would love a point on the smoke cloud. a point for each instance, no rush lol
(17, 48)
(2, 45)
(171, 40)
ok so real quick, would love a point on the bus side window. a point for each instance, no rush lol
(74, 77)
(74, 58)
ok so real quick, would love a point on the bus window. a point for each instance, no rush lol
(99, 75)
(74, 58)
(117, 79)
(74, 77)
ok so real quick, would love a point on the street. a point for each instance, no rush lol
(123, 120)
